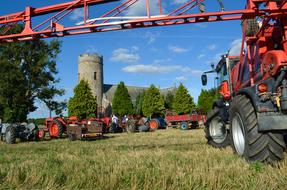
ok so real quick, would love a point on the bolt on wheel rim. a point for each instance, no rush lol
(238, 134)
(217, 130)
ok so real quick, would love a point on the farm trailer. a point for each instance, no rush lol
(185, 121)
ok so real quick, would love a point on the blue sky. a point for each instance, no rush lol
(164, 56)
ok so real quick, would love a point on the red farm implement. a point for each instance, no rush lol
(185, 121)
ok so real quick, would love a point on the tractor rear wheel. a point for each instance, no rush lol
(246, 140)
(10, 135)
(216, 133)
(56, 129)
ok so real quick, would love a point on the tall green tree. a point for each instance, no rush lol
(153, 103)
(168, 101)
(206, 99)
(56, 106)
(28, 74)
(139, 104)
(183, 102)
(83, 104)
(122, 103)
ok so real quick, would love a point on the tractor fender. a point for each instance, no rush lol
(250, 93)
(3, 128)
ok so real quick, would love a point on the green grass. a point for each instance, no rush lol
(165, 159)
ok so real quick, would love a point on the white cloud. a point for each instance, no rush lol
(77, 15)
(125, 55)
(181, 78)
(212, 47)
(91, 49)
(140, 68)
(150, 69)
(235, 47)
(200, 56)
(178, 2)
(139, 8)
(151, 37)
(158, 61)
(176, 49)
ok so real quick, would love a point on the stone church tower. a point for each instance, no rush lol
(90, 68)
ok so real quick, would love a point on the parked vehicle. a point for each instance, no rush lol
(254, 94)
(25, 132)
(73, 127)
(186, 121)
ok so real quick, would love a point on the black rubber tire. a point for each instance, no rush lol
(266, 147)
(215, 114)
(10, 135)
(60, 127)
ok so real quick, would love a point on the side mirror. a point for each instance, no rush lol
(204, 79)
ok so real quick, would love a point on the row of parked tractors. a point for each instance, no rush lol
(93, 128)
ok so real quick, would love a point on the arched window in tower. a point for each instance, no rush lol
(79, 77)
(95, 75)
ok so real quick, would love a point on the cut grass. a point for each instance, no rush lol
(165, 159)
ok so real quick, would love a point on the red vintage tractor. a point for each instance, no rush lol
(253, 105)
(73, 127)
(56, 126)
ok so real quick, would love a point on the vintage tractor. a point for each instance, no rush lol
(25, 132)
(255, 92)
(73, 127)
(56, 126)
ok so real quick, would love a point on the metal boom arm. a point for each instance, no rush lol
(111, 20)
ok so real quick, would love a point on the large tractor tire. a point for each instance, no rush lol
(10, 135)
(216, 133)
(246, 140)
(56, 129)
(154, 124)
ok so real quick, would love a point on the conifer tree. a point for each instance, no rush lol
(183, 102)
(122, 103)
(153, 103)
(206, 99)
(83, 104)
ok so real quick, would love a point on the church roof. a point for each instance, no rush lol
(109, 91)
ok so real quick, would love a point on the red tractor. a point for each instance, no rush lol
(73, 127)
(253, 106)
(56, 126)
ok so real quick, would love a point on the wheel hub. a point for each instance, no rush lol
(238, 134)
(217, 130)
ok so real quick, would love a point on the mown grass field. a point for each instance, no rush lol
(165, 159)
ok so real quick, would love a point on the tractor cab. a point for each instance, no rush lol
(222, 71)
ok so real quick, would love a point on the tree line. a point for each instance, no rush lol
(149, 103)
